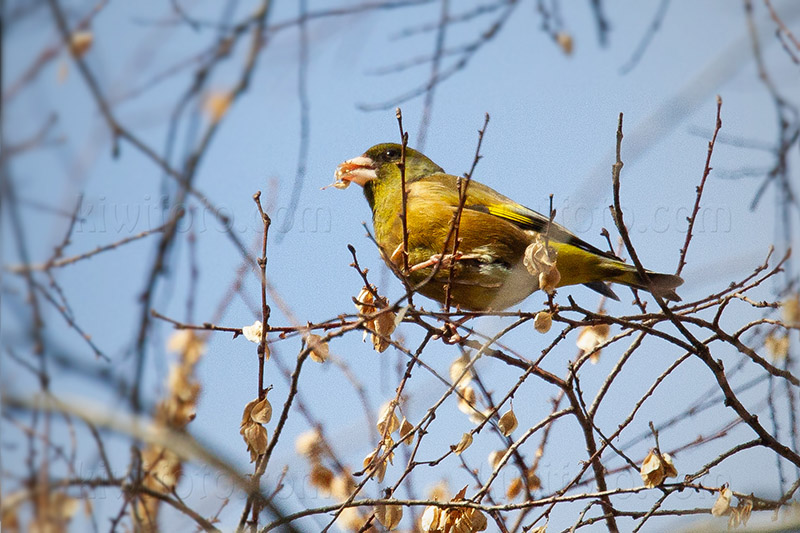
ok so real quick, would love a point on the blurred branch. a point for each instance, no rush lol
(647, 38)
(465, 53)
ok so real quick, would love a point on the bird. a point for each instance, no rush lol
(495, 263)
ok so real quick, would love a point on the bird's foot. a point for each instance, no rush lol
(425, 264)
(446, 260)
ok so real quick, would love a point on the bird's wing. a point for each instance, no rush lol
(485, 199)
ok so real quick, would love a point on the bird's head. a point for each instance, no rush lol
(381, 162)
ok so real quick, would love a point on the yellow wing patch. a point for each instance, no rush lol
(502, 212)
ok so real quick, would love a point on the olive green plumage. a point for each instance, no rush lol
(494, 234)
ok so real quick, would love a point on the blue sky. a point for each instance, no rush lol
(552, 130)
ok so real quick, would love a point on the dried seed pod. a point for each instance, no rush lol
(319, 350)
(389, 515)
(723, 503)
(508, 423)
(654, 469)
(543, 321)
(463, 444)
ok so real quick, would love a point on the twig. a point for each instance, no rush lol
(363, 273)
(265, 309)
(403, 189)
(784, 30)
(698, 348)
(466, 53)
(647, 38)
(64, 261)
(427, 106)
(706, 171)
(305, 119)
(455, 224)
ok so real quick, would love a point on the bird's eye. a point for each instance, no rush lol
(392, 153)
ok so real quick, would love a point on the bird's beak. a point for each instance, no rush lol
(358, 170)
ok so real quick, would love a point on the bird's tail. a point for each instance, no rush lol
(595, 269)
(663, 285)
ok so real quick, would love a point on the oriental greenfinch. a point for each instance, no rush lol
(505, 251)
